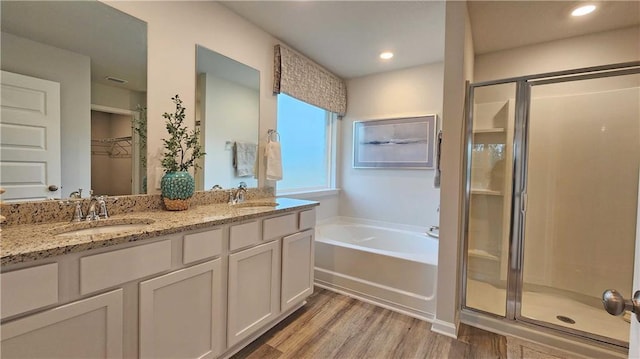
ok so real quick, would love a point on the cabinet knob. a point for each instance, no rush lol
(52, 188)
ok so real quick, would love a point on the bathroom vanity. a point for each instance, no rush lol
(201, 283)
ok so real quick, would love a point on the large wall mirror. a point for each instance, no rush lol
(227, 112)
(96, 57)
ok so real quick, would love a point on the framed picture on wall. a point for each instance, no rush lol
(407, 143)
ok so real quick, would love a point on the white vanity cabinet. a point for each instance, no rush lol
(271, 278)
(87, 328)
(202, 293)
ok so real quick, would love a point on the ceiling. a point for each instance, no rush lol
(346, 37)
(499, 25)
(115, 42)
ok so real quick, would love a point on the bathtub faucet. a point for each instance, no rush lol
(434, 232)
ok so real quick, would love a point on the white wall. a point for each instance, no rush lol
(73, 72)
(391, 195)
(458, 68)
(583, 51)
(174, 28)
(116, 97)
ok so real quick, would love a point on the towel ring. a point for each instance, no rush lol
(271, 134)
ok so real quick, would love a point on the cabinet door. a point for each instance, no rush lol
(297, 268)
(254, 290)
(181, 313)
(88, 328)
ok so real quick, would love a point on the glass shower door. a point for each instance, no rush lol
(581, 191)
(490, 173)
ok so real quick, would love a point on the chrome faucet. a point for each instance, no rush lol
(77, 214)
(99, 212)
(237, 195)
(91, 213)
(76, 194)
(103, 213)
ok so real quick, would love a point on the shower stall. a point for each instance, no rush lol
(552, 165)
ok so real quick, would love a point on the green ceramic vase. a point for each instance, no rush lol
(177, 188)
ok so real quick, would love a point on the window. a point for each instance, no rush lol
(307, 137)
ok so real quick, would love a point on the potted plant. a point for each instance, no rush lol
(182, 150)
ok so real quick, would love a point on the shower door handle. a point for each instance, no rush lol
(615, 304)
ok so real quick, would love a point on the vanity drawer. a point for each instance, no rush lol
(307, 219)
(197, 246)
(108, 269)
(279, 226)
(243, 235)
(28, 289)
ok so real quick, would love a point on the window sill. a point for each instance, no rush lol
(310, 193)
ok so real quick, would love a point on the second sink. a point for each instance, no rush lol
(101, 227)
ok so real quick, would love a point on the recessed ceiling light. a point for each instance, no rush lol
(583, 10)
(386, 55)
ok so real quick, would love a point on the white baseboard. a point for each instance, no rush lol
(445, 328)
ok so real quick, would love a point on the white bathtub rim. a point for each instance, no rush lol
(378, 224)
(405, 256)
(431, 258)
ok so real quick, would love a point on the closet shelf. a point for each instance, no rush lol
(486, 192)
(115, 147)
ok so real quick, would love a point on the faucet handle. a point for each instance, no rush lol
(77, 213)
(102, 212)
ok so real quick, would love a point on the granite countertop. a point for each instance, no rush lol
(31, 242)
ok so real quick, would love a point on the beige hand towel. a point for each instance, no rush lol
(244, 158)
(274, 161)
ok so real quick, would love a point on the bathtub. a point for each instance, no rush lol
(393, 266)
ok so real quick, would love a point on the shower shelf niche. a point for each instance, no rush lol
(490, 190)
(481, 253)
(486, 192)
(488, 130)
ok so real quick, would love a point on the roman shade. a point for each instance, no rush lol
(299, 77)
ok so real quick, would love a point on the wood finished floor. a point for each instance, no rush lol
(332, 325)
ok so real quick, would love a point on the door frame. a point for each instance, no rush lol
(135, 143)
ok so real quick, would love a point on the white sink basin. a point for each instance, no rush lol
(107, 226)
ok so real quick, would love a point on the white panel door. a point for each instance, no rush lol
(88, 328)
(297, 268)
(29, 137)
(181, 314)
(254, 290)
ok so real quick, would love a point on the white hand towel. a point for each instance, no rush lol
(244, 158)
(274, 161)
